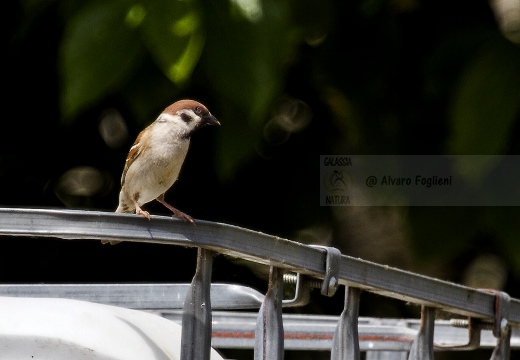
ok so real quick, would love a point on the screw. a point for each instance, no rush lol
(459, 323)
(464, 323)
(290, 278)
(293, 279)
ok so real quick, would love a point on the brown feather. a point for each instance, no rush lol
(133, 154)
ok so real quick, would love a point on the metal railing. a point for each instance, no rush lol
(493, 318)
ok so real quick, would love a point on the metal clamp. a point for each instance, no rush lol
(331, 279)
(501, 328)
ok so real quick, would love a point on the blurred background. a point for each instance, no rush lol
(289, 81)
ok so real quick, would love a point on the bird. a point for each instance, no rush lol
(155, 159)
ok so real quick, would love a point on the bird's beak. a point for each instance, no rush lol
(210, 120)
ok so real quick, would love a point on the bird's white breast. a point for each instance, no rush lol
(157, 167)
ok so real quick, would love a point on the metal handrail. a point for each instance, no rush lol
(257, 247)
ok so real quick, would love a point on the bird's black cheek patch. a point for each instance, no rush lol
(186, 118)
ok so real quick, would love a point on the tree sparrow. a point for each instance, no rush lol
(155, 160)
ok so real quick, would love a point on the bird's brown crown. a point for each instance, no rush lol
(186, 104)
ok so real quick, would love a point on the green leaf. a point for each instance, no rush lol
(173, 33)
(486, 104)
(246, 61)
(253, 75)
(99, 51)
(503, 222)
(443, 232)
(148, 93)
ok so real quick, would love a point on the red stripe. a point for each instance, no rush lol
(306, 336)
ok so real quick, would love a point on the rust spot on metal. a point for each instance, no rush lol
(234, 334)
(307, 336)
(303, 336)
(403, 339)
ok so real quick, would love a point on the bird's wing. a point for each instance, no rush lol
(136, 150)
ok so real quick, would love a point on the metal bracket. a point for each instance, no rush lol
(474, 327)
(501, 328)
(302, 293)
(500, 324)
(331, 279)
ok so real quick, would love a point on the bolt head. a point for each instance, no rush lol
(333, 285)
(504, 326)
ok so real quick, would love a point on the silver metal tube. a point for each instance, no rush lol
(386, 355)
(236, 330)
(149, 296)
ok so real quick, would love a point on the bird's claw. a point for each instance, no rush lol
(146, 214)
(183, 216)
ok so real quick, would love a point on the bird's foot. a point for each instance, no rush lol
(146, 214)
(176, 212)
(183, 216)
(141, 212)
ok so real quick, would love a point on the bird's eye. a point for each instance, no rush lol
(198, 110)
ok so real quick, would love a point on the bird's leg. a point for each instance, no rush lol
(140, 211)
(175, 211)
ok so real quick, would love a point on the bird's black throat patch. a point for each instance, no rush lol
(186, 117)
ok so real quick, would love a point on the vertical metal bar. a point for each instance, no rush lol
(501, 328)
(269, 326)
(345, 344)
(422, 346)
(196, 317)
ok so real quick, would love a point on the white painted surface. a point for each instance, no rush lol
(70, 329)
